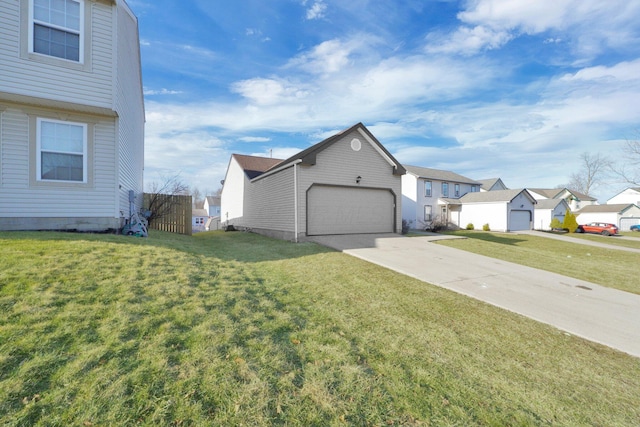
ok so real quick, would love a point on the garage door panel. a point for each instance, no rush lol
(520, 220)
(349, 210)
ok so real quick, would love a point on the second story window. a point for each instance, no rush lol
(55, 28)
(457, 190)
(427, 189)
(445, 189)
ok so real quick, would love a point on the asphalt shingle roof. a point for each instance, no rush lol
(440, 175)
(254, 166)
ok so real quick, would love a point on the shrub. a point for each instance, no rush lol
(470, 226)
(486, 227)
(555, 224)
(405, 226)
(570, 222)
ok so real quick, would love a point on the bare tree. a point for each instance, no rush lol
(592, 173)
(629, 170)
(156, 201)
(198, 196)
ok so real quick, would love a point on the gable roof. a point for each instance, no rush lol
(554, 193)
(308, 156)
(549, 193)
(617, 208)
(550, 203)
(440, 175)
(253, 165)
(199, 212)
(579, 196)
(490, 183)
(494, 196)
(635, 189)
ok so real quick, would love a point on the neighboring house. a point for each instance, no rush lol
(622, 215)
(346, 184)
(492, 184)
(503, 210)
(546, 210)
(574, 199)
(212, 205)
(71, 114)
(199, 218)
(630, 195)
(422, 190)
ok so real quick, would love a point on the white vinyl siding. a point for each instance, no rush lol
(87, 82)
(232, 196)
(23, 196)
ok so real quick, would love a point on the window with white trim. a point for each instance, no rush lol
(61, 151)
(457, 190)
(55, 28)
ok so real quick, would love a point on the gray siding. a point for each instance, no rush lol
(270, 202)
(130, 108)
(340, 165)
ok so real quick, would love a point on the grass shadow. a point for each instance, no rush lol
(489, 237)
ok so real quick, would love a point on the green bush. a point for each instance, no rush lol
(470, 227)
(555, 224)
(570, 222)
(486, 227)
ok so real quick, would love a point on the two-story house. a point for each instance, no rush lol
(71, 114)
(424, 191)
(574, 199)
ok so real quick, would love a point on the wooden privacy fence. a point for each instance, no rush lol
(169, 212)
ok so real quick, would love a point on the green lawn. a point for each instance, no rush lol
(607, 267)
(230, 329)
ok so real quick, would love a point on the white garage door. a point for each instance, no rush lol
(520, 220)
(626, 223)
(349, 210)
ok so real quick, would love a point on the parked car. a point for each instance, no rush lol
(598, 227)
(635, 227)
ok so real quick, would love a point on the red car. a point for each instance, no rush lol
(599, 228)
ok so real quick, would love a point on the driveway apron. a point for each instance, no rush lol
(603, 315)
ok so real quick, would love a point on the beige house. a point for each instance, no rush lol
(71, 114)
(346, 184)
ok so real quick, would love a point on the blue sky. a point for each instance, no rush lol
(486, 88)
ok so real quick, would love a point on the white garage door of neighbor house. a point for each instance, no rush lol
(626, 223)
(520, 220)
(349, 210)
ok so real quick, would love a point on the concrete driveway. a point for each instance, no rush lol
(603, 315)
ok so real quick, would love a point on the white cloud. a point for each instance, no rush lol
(162, 91)
(593, 25)
(254, 139)
(317, 10)
(467, 40)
